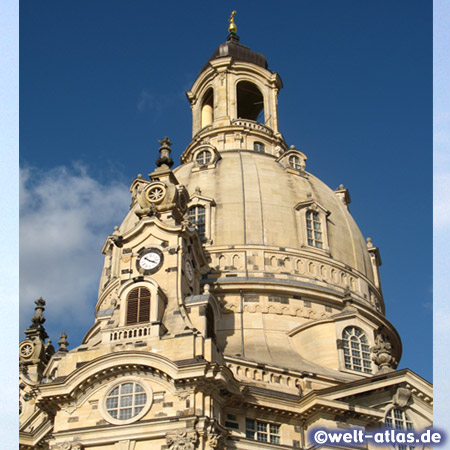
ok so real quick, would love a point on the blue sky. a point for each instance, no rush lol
(101, 82)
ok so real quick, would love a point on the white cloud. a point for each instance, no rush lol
(146, 101)
(65, 216)
(158, 102)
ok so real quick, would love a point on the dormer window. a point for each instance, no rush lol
(295, 162)
(356, 350)
(197, 216)
(203, 158)
(313, 229)
(138, 306)
(312, 224)
(258, 147)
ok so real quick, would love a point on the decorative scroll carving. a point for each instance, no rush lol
(215, 441)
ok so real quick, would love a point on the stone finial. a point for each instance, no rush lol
(63, 343)
(206, 288)
(165, 151)
(38, 319)
(382, 355)
(198, 191)
(369, 242)
(343, 194)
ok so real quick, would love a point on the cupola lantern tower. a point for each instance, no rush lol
(234, 100)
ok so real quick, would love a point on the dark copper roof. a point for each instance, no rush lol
(238, 52)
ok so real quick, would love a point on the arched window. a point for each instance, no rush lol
(203, 157)
(208, 108)
(258, 147)
(197, 216)
(399, 420)
(356, 350)
(250, 102)
(314, 229)
(210, 324)
(295, 162)
(138, 306)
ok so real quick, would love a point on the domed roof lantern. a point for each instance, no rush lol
(234, 100)
(237, 51)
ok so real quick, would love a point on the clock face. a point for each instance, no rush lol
(189, 270)
(150, 260)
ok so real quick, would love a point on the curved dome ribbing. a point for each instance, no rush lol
(255, 199)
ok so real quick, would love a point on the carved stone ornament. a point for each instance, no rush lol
(63, 343)
(26, 349)
(38, 318)
(215, 441)
(23, 368)
(67, 446)
(62, 446)
(165, 151)
(182, 440)
(186, 222)
(401, 397)
(382, 355)
(155, 193)
(183, 395)
(148, 207)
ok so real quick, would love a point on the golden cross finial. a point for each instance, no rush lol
(232, 28)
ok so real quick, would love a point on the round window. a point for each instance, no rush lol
(127, 401)
(156, 193)
(204, 157)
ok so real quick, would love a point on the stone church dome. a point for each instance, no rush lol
(256, 198)
(239, 305)
(286, 261)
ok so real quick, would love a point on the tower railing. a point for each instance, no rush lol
(252, 125)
